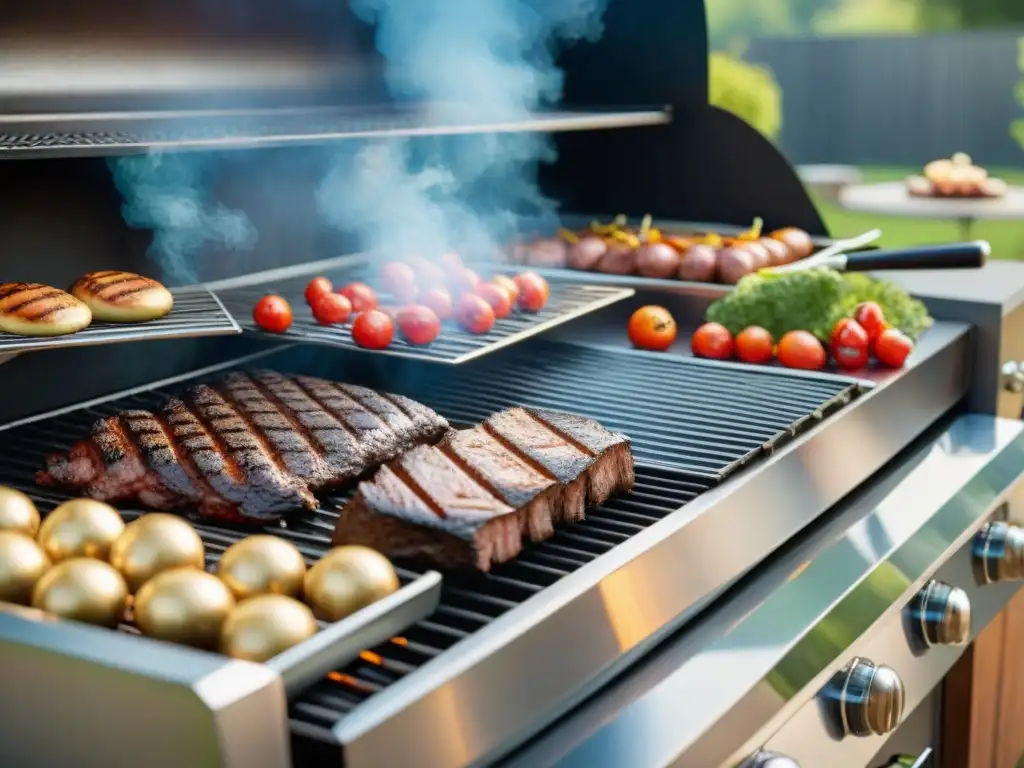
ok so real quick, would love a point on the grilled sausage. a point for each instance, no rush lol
(31, 309)
(778, 252)
(657, 260)
(699, 263)
(619, 260)
(734, 264)
(123, 297)
(759, 255)
(798, 241)
(586, 253)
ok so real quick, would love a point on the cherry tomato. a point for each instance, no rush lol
(399, 280)
(509, 285)
(754, 345)
(474, 314)
(533, 291)
(317, 287)
(652, 328)
(362, 296)
(850, 345)
(892, 347)
(713, 341)
(451, 262)
(497, 297)
(419, 324)
(871, 319)
(463, 281)
(438, 300)
(331, 308)
(373, 329)
(272, 314)
(801, 349)
(428, 274)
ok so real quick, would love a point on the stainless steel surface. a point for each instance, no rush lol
(865, 699)
(338, 643)
(769, 760)
(827, 257)
(999, 553)
(940, 615)
(746, 677)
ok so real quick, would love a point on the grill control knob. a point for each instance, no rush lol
(770, 760)
(998, 551)
(941, 615)
(866, 699)
(1013, 377)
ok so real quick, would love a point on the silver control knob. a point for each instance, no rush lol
(866, 699)
(940, 615)
(1013, 376)
(770, 760)
(998, 552)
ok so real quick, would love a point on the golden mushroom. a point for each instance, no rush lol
(18, 513)
(184, 606)
(155, 543)
(82, 589)
(80, 528)
(22, 564)
(347, 579)
(263, 626)
(262, 565)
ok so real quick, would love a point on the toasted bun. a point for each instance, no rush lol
(31, 309)
(123, 297)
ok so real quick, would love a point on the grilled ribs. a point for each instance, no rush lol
(246, 449)
(471, 500)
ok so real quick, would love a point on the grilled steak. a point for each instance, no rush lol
(470, 501)
(246, 449)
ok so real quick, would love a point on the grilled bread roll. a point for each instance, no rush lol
(31, 309)
(123, 297)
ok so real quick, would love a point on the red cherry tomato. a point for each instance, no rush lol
(474, 314)
(317, 287)
(451, 262)
(428, 274)
(801, 349)
(373, 329)
(755, 345)
(497, 297)
(892, 347)
(399, 280)
(272, 314)
(652, 328)
(509, 285)
(331, 308)
(463, 281)
(419, 324)
(850, 345)
(533, 291)
(438, 300)
(362, 296)
(713, 341)
(871, 318)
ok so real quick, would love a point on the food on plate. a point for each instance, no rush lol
(373, 329)
(317, 287)
(509, 284)
(22, 564)
(956, 176)
(474, 314)
(801, 349)
(713, 341)
(272, 314)
(122, 297)
(330, 308)
(658, 260)
(261, 627)
(18, 513)
(498, 297)
(734, 264)
(463, 281)
(155, 543)
(586, 252)
(892, 347)
(438, 301)
(850, 345)
(419, 325)
(185, 606)
(754, 345)
(470, 501)
(80, 528)
(347, 579)
(362, 297)
(262, 565)
(534, 291)
(82, 589)
(871, 318)
(796, 240)
(245, 449)
(652, 328)
(698, 264)
(31, 309)
(399, 280)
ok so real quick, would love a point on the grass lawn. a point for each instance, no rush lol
(1006, 237)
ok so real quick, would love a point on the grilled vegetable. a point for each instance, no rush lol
(362, 296)
(506, 282)
(893, 347)
(800, 349)
(497, 297)
(373, 330)
(474, 314)
(122, 297)
(419, 324)
(533, 291)
(713, 341)
(754, 345)
(871, 318)
(317, 287)
(399, 280)
(438, 300)
(31, 309)
(330, 308)
(272, 314)
(652, 328)
(850, 345)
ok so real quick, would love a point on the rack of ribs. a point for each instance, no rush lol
(246, 449)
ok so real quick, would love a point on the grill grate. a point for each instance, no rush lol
(197, 312)
(453, 346)
(700, 434)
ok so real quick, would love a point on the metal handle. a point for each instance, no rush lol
(998, 553)
(822, 258)
(941, 615)
(952, 256)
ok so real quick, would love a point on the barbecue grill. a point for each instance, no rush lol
(802, 575)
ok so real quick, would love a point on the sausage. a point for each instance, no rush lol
(778, 251)
(758, 253)
(586, 253)
(548, 253)
(798, 241)
(698, 264)
(619, 260)
(657, 260)
(734, 264)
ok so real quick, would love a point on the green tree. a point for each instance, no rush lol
(747, 90)
(969, 14)
(858, 17)
(1017, 127)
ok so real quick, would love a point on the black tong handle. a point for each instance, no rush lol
(949, 256)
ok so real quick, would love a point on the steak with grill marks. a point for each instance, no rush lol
(246, 449)
(472, 500)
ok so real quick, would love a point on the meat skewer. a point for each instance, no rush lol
(471, 501)
(246, 449)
